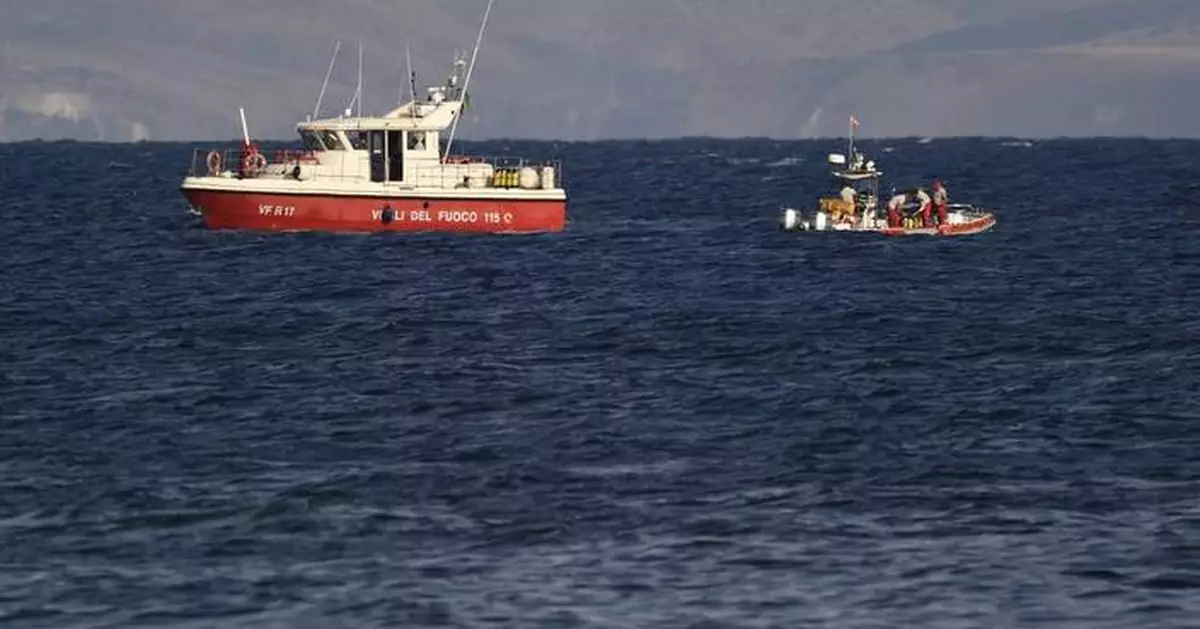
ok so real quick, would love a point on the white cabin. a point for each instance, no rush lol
(403, 148)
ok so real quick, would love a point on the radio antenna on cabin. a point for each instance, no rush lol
(316, 110)
(467, 81)
(357, 97)
(415, 111)
(404, 79)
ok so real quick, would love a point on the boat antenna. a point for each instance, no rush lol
(850, 139)
(357, 97)
(245, 129)
(412, 76)
(412, 84)
(336, 46)
(408, 62)
(467, 81)
(851, 123)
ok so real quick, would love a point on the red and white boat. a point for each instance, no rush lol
(864, 213)
(391, 172)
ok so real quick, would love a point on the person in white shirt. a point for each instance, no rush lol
(926, 207)
(848, 194)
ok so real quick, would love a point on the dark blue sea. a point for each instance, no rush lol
(670, 415)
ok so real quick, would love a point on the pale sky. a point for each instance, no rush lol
(581, 69)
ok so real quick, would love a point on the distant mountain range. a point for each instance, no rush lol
(121, 70)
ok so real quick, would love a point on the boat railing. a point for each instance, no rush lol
(279, 163)
(458, 171)
(483, 171)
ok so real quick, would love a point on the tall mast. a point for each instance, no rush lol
(852, 124)
(336, 46)
(407, 74)
(467, 81)
(412, 87)
(360, 80)
(356, 98)
(412, 76)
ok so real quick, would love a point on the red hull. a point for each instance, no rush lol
(973, 226)
(285, 212)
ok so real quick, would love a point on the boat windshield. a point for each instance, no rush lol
(311, 142)
(331, 140)
(416, 140)
(358, 140)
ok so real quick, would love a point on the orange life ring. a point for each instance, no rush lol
(254, 162)
(214, 163)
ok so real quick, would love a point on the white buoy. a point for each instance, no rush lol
(791, 219)
(820, 222)
(527, 178)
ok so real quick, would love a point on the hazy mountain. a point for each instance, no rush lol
(584, 69)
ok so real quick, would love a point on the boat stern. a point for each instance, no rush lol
(792, 220)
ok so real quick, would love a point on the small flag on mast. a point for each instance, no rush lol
(853, 121)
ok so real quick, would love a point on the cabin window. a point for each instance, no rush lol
(416, 140)
(311, 142)
(331, 140)
(358, 140)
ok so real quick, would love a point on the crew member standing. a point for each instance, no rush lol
(893, 208)
(848, 198)
(926, 207)
(941, 198)
(848, 193)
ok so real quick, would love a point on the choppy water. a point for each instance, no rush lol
(670, 415)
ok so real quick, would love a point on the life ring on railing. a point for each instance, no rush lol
(214, 163)
(254, 162)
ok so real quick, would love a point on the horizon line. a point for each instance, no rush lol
(679, 138)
